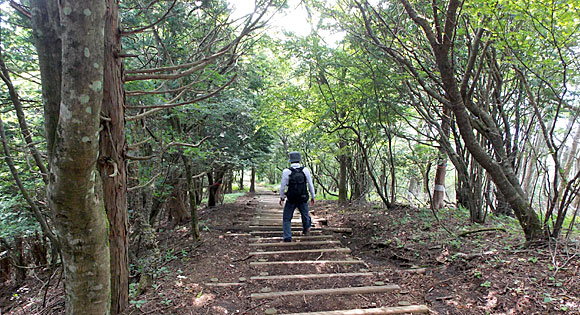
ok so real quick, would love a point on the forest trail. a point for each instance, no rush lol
(312, 274)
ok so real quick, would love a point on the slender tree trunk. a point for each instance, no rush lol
(241, 188)
(46, 230)
(342, 183)
(439, 187)
(253, 180)
(26, 134)
(228, 182)
(192, 198)
(112, 166)
(564, 173)
(530, 164)
(70, 41)
(500, 170)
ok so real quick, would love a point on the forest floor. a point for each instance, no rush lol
(480, 273)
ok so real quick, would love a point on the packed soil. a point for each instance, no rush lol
(487, 272)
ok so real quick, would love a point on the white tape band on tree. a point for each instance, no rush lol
(439, 188)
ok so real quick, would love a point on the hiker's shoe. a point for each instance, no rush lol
(306, 232)
(287, 240)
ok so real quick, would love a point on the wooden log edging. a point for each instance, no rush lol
(224, 284)
(374, 311)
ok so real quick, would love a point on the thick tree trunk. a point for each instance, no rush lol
(112, 160)
(72, 94)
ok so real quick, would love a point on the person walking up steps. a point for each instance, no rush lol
(297, 178)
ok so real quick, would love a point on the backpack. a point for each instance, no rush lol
(297, 191)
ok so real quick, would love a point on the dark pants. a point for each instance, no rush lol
(287, 218)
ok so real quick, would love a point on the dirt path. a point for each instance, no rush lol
(312, 274)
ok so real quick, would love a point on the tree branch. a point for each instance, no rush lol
(139, 30)
(189, 144)
(187, 102)
(144, 185)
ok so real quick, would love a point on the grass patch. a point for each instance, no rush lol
(231, 198)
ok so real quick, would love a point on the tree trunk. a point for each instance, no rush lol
(562, 187)
(178, 210)
(143, 239)
(194, 221)
(342, 183)
(26, 134)
(112, 164)
(215, 188)
(241, 188)
(228, 182)
(500, 170)
(70, 51)
(439, 187)
(46, 230)
(253, 180)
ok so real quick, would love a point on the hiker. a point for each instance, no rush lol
(296, 177)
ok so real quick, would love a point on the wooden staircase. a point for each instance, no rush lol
(300, 265)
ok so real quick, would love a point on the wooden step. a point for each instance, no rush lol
(314, 276)
(274, 227)
(278, 221)
(334, 291)
(415, 309)
(279, 215)
(279, 227)
(295, 232)
(303, 251)
(310, 237)
(269, 223)
(294, 243)
(306, 262)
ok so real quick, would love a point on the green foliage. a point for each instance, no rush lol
(14, 219)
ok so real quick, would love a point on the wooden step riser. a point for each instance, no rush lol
(269, 223)
(307, 262)
(302, 251)
(334, 291)
(276, 227)
(311, 237)
(291, 244)
(314, 276)
(279, 232)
